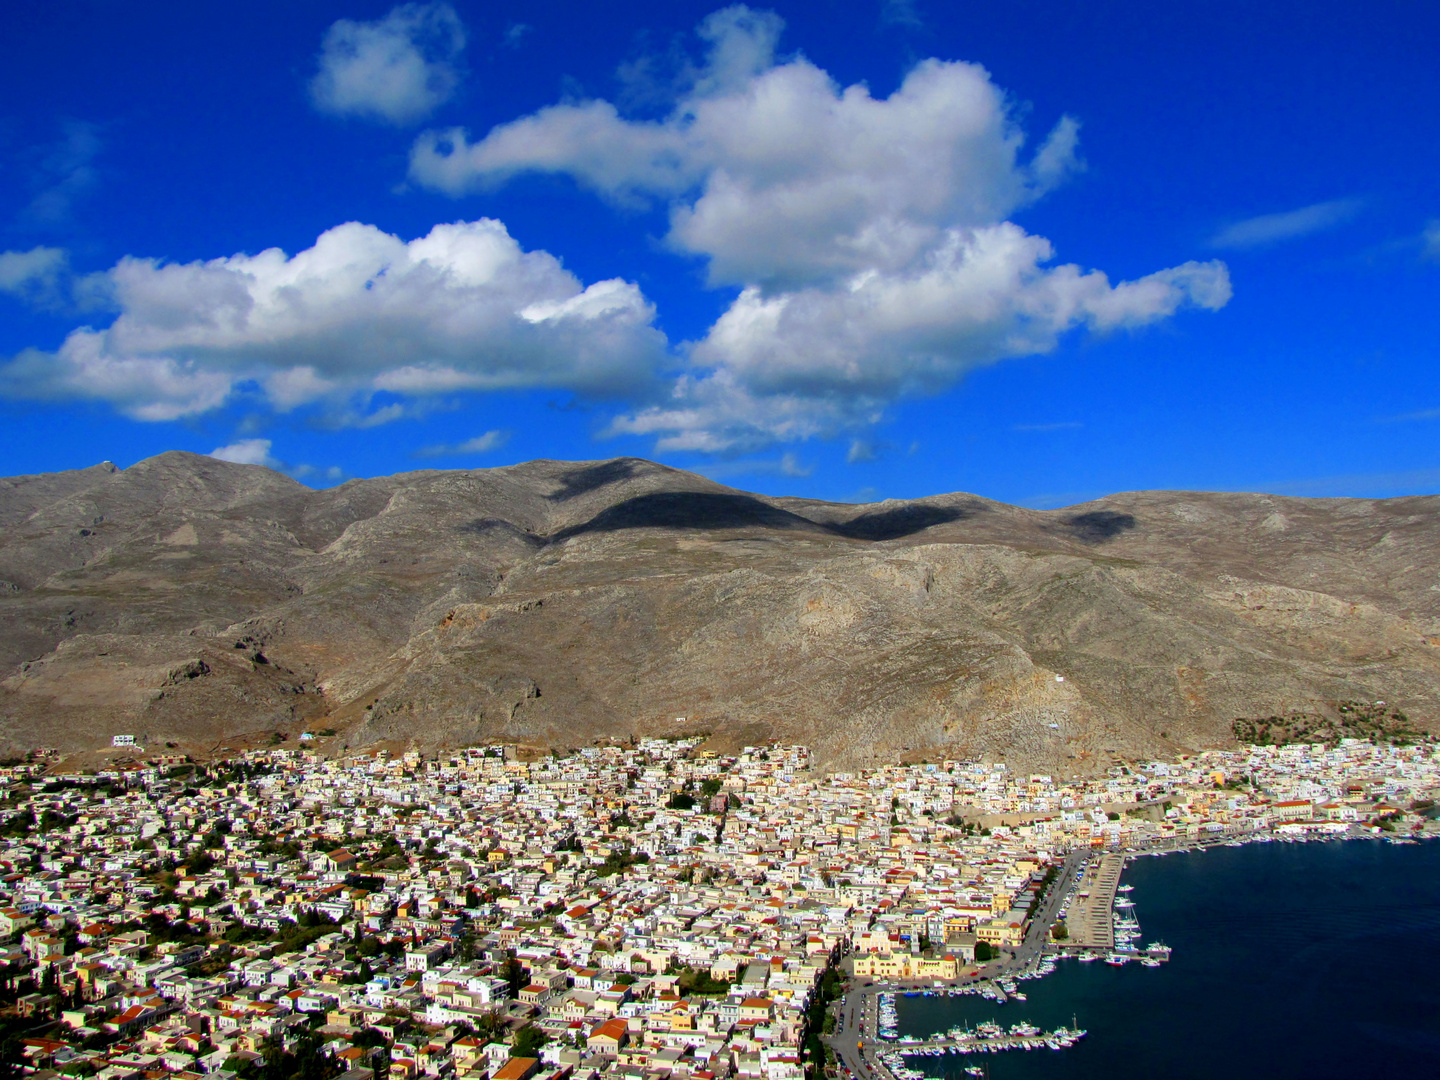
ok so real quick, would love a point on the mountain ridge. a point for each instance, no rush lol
(553, 603)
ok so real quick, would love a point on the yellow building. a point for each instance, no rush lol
(1005, 932)
(905, 966)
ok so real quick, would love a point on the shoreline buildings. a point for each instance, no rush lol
(651, 912)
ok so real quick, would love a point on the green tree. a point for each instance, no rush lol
(513, 972)
(527, 1041)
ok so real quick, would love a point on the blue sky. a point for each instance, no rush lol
(1038, 251)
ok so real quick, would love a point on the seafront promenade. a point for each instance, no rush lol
(1091, 922)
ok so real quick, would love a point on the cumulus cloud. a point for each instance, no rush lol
(247, 452)
(1274, 228)
(775, 174)
(42, 277)
(396, 70)
(462, 308)
(818, 361)
(869, 238)
(868, 235)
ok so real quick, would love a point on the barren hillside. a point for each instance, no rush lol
(553, 603)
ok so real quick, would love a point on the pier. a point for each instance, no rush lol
(1032, 1039)
(1090, 923)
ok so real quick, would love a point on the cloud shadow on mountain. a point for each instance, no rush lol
(1098, 526)
(689, 510)
(901, 521)
(714, 510)
(579, 481)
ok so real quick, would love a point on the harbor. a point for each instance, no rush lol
(1213, 907)
(1102, 923)
(1092, 899)
(985, 1037)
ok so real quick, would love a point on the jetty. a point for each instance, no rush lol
(985, 1038)
(1091, 923)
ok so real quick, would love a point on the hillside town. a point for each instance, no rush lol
(645, 910)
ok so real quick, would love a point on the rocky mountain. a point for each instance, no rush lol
(206, 604)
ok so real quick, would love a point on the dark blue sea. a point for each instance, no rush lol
(1298, 961)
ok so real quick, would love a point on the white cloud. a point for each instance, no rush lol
(141, 387)
(35, 275)
(1273, 228)
(64, 172)
(480, 444)
(397, 69)
(868, 234)
(791, 465)
(1405, 418)
(900, 13)
(257, 452)
(462, 308)
(787, 464)
(333, 473)
(776, 174)
(861, 451)
(42, 277)
(247, 452)
(483, 444)
(819, 361)
(1060, 425)
(1430, 240)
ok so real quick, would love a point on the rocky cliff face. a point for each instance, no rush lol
(554, 603)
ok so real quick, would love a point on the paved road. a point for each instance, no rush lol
(1038, 933)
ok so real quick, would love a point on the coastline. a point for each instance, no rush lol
(883, 1054)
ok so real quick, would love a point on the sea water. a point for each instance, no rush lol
(1307, 960)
